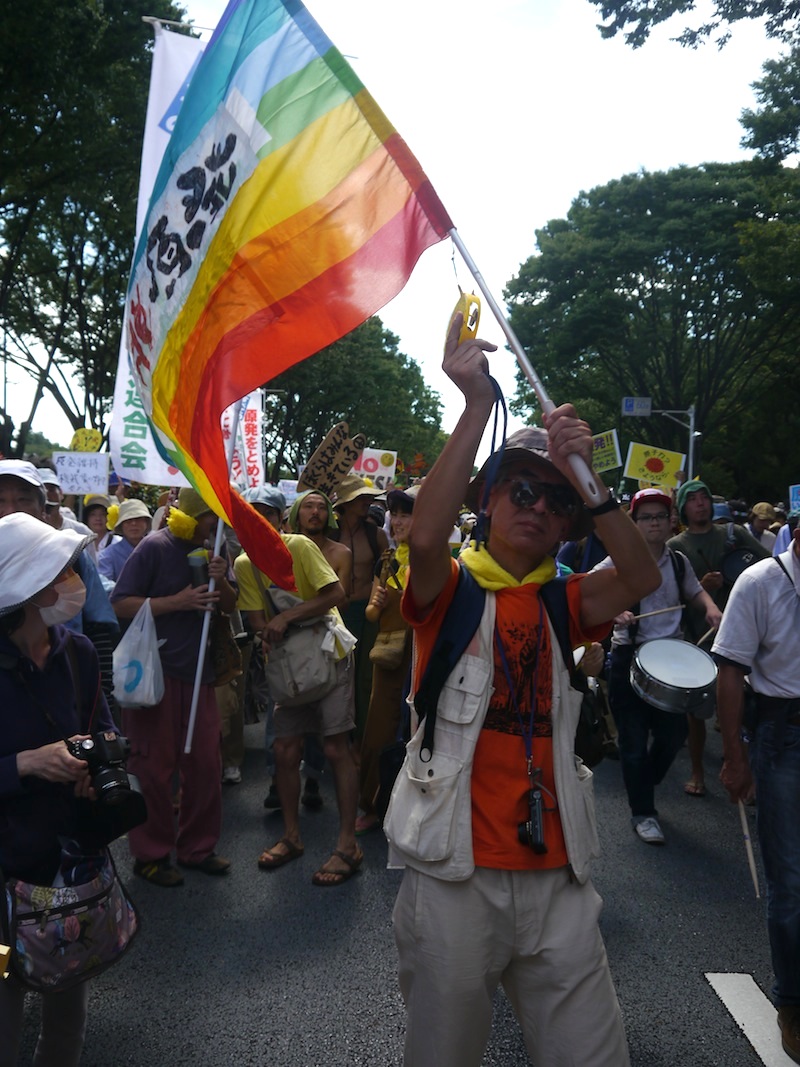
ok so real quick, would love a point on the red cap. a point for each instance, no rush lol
(652, 495)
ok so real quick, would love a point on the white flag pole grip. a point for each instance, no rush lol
(584, 476)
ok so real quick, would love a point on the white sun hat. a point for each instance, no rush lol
(32, 555)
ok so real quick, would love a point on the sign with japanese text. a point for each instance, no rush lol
(606, 455)
(247, 468)
(82, 472)
(794, 497)
(656, 466)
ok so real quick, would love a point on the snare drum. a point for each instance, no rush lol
(737, 561)
(674, 675)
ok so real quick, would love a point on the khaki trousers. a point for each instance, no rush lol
(534, 933)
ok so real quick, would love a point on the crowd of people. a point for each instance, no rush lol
(490, 814)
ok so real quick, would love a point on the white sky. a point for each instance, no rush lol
(512, 108)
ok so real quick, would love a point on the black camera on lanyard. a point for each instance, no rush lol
(531, 833)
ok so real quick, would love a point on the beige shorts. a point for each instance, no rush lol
(332, 714)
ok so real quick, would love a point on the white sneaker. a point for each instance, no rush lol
(649, 831)
(232, 775)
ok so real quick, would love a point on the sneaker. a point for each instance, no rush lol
(311, 797)
(232, 775)
(272, 800)
(649, 831)
(159, 872)
(789, 1022)
(211, 864)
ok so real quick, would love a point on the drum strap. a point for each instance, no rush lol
(679, 569)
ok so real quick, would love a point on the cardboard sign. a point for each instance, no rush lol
(82, 472)
(332, 460)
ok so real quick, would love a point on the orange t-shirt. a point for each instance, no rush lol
(500, 783)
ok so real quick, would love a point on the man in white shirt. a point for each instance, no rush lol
(760, 640)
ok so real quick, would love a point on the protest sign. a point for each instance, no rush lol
(606, 455)
(656, 466)
(82, 472)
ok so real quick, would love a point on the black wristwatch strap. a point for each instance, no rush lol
(610, 504)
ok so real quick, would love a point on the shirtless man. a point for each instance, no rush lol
(352, 504)
(312, 515)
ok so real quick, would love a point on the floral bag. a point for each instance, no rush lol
(62, 935)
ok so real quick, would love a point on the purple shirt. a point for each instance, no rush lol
(158, 567)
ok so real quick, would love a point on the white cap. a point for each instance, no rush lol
(32, 555)
(20, 468)
(48, 476)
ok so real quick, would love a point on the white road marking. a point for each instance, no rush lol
(754, 1014)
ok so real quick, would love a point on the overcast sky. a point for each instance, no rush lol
(512, 109)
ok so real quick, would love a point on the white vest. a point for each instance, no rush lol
(429, 821)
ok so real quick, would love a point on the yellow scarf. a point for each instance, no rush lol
(490, 575)
(401, 577)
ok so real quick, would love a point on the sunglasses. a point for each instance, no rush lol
(559, 499)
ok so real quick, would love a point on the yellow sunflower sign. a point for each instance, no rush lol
(656, 466)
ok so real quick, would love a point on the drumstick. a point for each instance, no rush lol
(706, 635)
(647, 614)
(749, 848)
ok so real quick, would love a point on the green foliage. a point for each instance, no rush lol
(773, 130)
(74, 92)
(363, 380)
(680, 286)
(636, 18)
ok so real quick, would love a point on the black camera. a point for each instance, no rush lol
(106, 754)
(119, 806)
(531, 833)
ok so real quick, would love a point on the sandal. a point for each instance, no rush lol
(694, 789)
(270, 860)
(326, 879)
(366, 824)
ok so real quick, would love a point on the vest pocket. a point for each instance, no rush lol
(421, 818)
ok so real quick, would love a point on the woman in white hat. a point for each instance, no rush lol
(132, 522)
(39, 778)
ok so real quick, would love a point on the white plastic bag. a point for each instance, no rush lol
(138, 677)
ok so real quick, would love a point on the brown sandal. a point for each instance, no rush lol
(270, 860)
(326, 879)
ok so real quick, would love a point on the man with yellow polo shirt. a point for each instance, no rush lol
(331, 716)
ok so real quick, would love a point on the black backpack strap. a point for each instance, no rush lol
(779, 561)
(553, 595)
(459, 626)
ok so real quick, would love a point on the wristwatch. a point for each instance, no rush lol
(609, 504)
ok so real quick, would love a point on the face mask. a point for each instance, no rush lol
(71, 598)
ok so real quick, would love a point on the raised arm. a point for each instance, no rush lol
(444, 489)
(605, 593)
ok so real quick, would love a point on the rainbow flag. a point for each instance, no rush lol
(287, 210)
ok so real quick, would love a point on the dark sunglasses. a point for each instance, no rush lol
(559, 499)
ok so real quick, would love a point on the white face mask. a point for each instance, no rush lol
(71, 598)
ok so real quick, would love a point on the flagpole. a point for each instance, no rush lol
(579, 467)
(201, 655)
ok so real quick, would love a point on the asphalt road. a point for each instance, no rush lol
(263, 968)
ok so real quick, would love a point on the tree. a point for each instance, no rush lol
(74, 92)
(363, 380)
(636, 18)
(660, 285)
(773, 131)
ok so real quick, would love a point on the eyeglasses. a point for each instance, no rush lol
(662, 516)
(559, 499)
